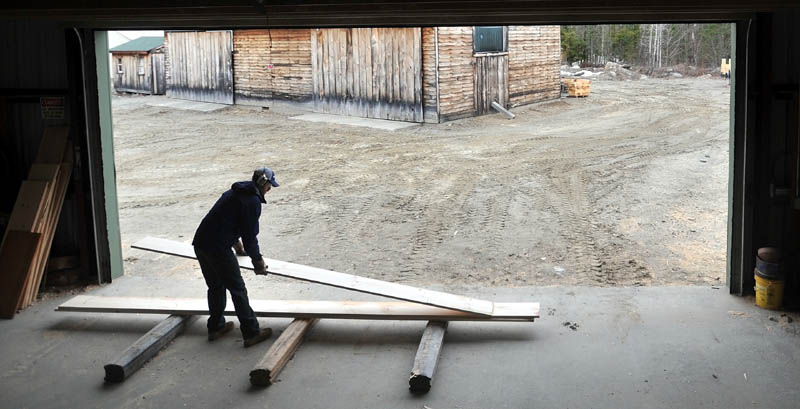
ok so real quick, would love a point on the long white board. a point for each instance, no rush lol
(366, 310)
(336, 279)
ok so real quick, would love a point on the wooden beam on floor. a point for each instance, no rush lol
(427, 356)
(266, 372)
(146, 347)
(364, 310)
(336, 279)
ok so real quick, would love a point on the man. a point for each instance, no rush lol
(234, 216)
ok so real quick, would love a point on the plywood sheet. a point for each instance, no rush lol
(336, 279)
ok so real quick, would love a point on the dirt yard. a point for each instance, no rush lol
(625, 187)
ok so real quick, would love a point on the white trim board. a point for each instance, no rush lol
(365, 310)
(336, 279)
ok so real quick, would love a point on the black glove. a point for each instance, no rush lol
(259, 267)
(238, 247)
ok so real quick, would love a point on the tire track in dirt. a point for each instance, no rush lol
(568, 199)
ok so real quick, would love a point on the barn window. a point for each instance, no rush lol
(119, 65)
(140, 61)
(488, 39)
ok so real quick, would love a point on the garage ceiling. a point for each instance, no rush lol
(294, 13)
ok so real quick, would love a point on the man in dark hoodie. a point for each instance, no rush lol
(233, 222)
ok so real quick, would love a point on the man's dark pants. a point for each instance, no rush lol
(221, 271)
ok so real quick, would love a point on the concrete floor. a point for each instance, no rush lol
(645, 347)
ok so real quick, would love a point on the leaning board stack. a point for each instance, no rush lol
(26, 243)
(577, 87)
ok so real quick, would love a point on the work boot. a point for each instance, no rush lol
(263, 334)
(212, 335)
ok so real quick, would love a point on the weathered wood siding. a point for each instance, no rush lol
(534, 56)
(251, 58)
(491, 82)
(368, 72)
(456, 73)
(200, 66)
(159, 74)
(272, 64)
(430, 91)
(129, 80)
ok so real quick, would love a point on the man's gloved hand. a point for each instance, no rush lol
(259, 267)
(238, 247)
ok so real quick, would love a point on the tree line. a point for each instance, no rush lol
(650, 45)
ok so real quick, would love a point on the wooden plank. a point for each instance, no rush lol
(146, 347)
(427, 356)
(43, 172)
(29, 206)
(370, 75)
(417, 62)
(355, 63)
(348, 64)
(358, 310)
(341, 64)
(15, 256)
(51, 148)
(336, 279)
(266, 371)
(54, 213)
(50, 174)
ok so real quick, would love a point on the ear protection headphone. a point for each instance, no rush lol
(262, 179)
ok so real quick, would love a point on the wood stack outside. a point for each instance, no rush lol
(577, 87)
(272, 64)
(251, 56)
(33, 222)
(290, 64)
(430, 83)
(534, 56)
(456, 73)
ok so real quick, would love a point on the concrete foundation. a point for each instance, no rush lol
(646, 347)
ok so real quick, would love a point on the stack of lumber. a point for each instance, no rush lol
(436, 307)
(26, 244)
(273, 63)
(534, 57)
(577, 87)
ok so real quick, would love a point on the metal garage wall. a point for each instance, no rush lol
(38, 65)
(200, 66)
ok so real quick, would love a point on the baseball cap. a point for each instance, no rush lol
(263, 175)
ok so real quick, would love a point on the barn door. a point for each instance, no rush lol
(368, 72)
(200, 66)
(491, 82)
(159, 77)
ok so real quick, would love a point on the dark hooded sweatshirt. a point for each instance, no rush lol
(234, 215)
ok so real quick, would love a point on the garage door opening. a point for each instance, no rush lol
(625, 186)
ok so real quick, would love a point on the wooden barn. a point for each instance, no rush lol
(200, 65)
(430, 74)
(138, 66)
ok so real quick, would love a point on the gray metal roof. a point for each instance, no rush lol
(140, 44)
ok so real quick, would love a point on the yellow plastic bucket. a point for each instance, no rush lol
(769, 292)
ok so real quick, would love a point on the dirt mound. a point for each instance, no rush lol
(610, 71)
(680, 71)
